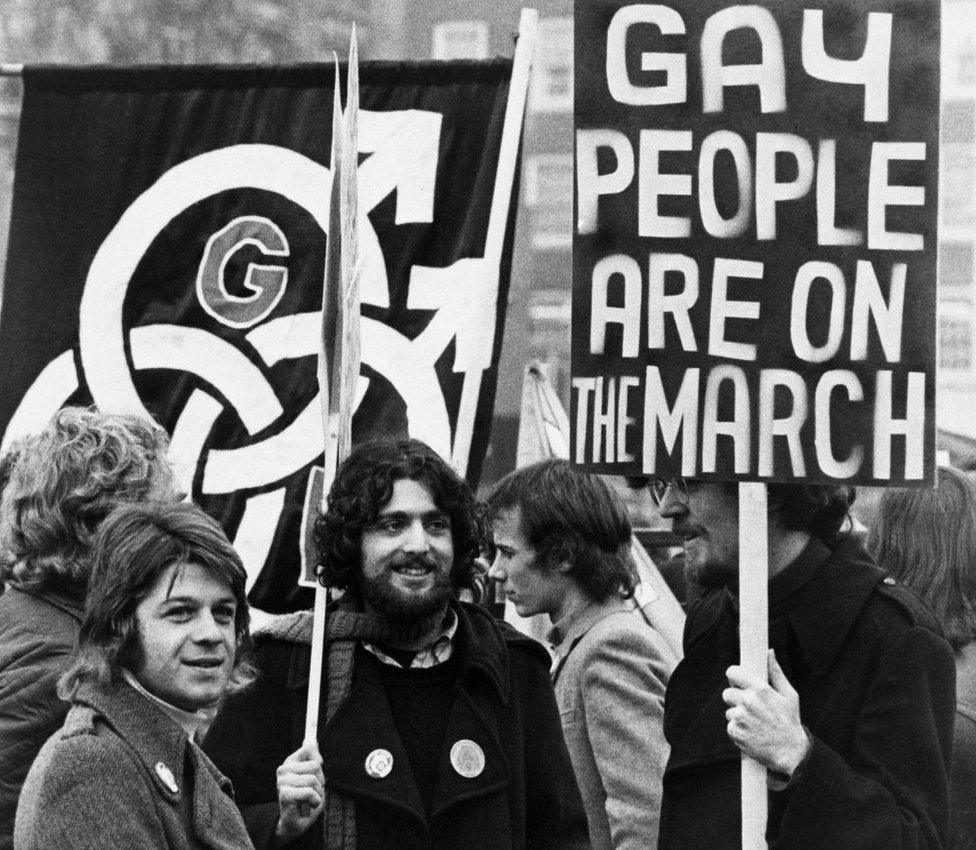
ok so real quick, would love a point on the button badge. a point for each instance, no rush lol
(379, 763)
(467, 758)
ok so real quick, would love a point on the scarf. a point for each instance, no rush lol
(345, 627)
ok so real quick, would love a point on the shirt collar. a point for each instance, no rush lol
(439, 650)
(194, 723)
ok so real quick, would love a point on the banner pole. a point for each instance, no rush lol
(753, 642)
(501, 199)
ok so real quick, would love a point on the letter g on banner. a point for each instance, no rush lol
(101, 333)
(266, 282)
(407, 169)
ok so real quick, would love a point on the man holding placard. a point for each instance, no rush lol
(754, 302)
(438, 726)
(855, 724)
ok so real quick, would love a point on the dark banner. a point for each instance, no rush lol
(167, 254)
(754, 282)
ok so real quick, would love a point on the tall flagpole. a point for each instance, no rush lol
(501, 199)
(339, 354)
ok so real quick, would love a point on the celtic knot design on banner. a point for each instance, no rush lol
(402, 150)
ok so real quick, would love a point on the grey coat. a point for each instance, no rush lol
(610, 674)
(120, 773)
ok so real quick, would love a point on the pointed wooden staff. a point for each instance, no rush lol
(339, 355)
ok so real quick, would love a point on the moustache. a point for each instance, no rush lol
(415, 561)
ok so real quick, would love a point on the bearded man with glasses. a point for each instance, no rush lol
(855, 724)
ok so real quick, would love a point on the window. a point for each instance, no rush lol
(967, 62)
(958, 167)
(956, 269)
(549, 195)
(958, 122)
(550, 316)
(551, 85)
(461, 40)
(955, 343)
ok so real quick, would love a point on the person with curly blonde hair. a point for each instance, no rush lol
(62, 483)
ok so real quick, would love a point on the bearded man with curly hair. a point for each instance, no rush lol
(438, 726)
(62, 483)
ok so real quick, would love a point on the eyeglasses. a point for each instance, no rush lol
(659, 486)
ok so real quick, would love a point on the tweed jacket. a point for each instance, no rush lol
(876, 681)
(121, 773)
(523, 796)
(37, 636)
(609, 673)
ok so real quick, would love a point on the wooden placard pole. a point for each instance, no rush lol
(753, 642)
(339, 358)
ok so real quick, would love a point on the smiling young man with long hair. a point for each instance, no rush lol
(163, 640)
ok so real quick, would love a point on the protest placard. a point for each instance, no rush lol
(754, 282)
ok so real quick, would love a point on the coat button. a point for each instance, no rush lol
(379, 763)
(467, 758)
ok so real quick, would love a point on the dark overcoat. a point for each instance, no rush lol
(876, 681)
(525, 797)
(963, 775)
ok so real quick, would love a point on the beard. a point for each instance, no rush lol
(409, 615)
(701, 580)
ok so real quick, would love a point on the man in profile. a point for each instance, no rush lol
(855, 724)
(562, 541)
(438, 726)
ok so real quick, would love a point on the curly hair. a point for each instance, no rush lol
(63, 482)
(571, 517)
(364, 484)
(133, 548)
(927, 540)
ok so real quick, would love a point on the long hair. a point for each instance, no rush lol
(575, 518)
(134, 547)
(818, 509)
(62, 484)
(927, 540)
(364, 485)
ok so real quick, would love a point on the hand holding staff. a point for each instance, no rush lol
(301, 792)
(339, 356)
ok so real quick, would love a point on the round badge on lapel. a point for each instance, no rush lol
(467, 758)
(379, 763)
(166, 775)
